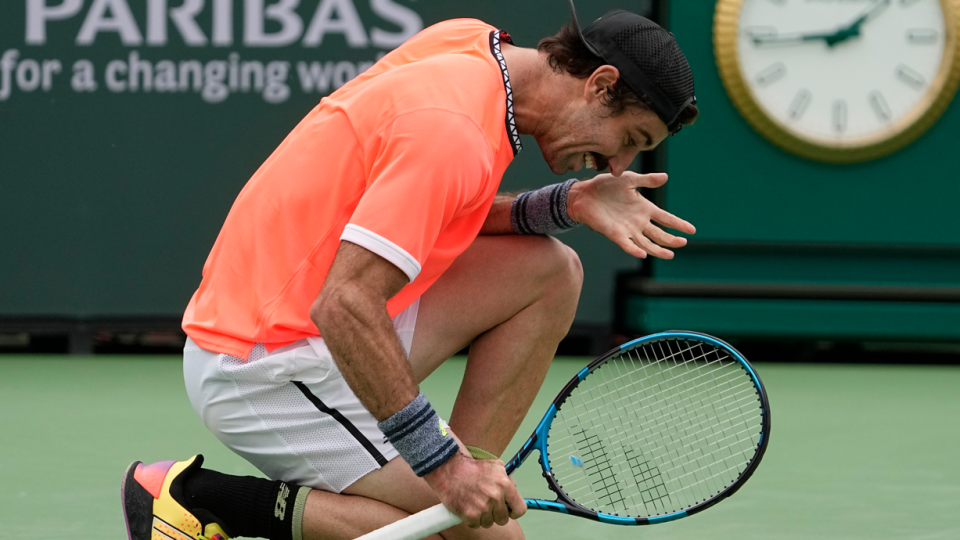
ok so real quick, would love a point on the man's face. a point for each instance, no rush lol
(582, 132)
(588, 136)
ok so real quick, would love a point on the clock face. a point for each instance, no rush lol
(838, 74)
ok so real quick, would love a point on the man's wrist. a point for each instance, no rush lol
(439, 477)
(573, 196)
(421, 438)
(542, 211)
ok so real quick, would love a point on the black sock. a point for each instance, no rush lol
(243, 505)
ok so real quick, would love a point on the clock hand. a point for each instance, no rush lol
(853, 29)
(790, 39)
(831, 39)
(870, 12)
(843, 34)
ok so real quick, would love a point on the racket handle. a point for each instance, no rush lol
(418, 526)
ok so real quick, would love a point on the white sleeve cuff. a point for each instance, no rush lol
(381, 246)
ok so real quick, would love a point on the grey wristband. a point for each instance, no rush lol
(419, 435)
(542, 211)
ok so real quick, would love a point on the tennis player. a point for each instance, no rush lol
(372, 245)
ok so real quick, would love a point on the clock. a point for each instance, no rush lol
(839, 80)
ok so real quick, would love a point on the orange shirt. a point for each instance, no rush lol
(404, 160)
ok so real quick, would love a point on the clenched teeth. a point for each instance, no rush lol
(589, 161)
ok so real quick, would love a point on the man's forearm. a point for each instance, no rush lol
(364, 343)
(498, 219)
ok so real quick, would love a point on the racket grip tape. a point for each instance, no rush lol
(418, 526)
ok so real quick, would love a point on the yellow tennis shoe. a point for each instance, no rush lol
(152, 507)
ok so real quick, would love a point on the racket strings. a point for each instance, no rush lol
(600, 467)
(694, 399)
(594, 401)
(646, 474)
(645, 494)
(646, 406)
(644, 403)
(747, 392)
(656, 430)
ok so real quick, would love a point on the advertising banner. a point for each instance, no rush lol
(127, 128)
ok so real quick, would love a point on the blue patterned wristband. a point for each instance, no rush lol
(420, 436)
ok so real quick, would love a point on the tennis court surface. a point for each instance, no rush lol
(857, 451)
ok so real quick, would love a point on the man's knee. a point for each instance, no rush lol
(559, 268)
(573, 269)
(552, 275)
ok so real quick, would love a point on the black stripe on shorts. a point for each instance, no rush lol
(367, 445)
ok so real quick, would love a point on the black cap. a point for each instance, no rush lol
(648, 58)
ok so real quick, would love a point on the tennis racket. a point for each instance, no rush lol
(658, 429)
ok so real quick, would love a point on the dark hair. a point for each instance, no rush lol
(566, 52)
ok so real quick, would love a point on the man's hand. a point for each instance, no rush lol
(477, 490)
(613, 206)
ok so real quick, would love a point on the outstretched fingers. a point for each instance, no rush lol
(645, 244)
(663, 238)
(630, 246)
(669, 220)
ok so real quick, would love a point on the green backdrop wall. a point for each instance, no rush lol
(114, 185)
(791, 247)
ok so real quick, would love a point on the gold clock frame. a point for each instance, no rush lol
(906, 130)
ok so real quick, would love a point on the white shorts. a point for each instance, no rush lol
(289, 412)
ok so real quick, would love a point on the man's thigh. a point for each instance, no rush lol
(289, 412)
(493, 280)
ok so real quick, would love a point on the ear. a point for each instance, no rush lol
(598, 84)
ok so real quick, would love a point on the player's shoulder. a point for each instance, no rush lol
(454, 28)
(463, 73)
(449, 68)
(464, 89)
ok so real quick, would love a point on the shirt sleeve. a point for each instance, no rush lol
(430, 166)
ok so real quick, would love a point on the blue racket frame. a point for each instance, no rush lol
(538, 440)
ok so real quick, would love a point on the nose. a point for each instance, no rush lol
(622, 160)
